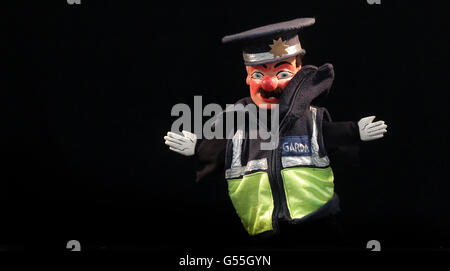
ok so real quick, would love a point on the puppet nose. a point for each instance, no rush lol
(269, 83)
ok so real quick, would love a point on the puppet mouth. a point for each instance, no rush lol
(270, 96)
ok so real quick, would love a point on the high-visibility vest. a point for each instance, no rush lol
(293, 182)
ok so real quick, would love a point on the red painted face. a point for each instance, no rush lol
(268, 81)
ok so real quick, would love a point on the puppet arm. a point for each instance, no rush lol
(209, 153)
(337, 134)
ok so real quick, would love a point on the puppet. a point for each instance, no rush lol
(293, 182)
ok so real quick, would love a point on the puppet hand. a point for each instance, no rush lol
(184, 145)
(370, 131)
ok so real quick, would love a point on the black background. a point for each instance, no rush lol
(88, 97)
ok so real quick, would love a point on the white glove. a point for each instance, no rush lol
(184, 145)
(370, 131)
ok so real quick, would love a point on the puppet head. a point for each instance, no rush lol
(272, 56)
(268, 81)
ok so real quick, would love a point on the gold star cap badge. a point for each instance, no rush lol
(278, 48)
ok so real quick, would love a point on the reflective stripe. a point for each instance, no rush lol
(235, 172)
(260, 164)
(314, 159)
(236, 165)
(237, 169)
(237, 149)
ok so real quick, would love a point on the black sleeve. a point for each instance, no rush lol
(210, 154)
(341, 140)
(338, 134)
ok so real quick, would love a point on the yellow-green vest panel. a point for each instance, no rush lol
(307, 189)
(252, 199)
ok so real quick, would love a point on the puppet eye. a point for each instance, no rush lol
(257, 75)
(284, 74)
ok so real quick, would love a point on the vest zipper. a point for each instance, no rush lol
(281, 211)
